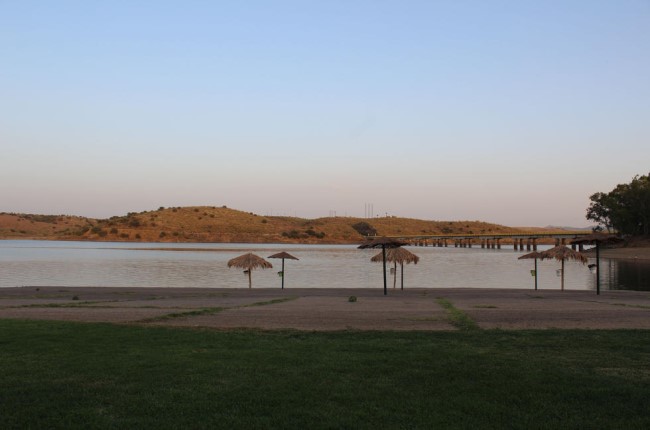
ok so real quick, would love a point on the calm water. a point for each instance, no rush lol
(47, 263)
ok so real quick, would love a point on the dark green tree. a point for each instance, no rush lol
(625, 209)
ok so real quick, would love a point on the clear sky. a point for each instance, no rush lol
(511, 112)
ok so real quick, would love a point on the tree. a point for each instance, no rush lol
(625, 209)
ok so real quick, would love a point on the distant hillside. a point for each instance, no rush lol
(221, 224)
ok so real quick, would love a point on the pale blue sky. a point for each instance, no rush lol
(511, 112)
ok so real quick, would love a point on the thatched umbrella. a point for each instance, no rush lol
(248, 262)
(383, 243)
(563, 253)
(283, 255)
(534, 255)
(397, 255)
(597, 239)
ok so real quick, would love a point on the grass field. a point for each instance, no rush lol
(74, 375)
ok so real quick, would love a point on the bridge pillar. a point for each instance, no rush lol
(455, 243)
(557, 241)
(581, 247)
(514, 244)
(574, 247)
(498, 243)
(494, 243)
(521, 244)
(445, 241)
(482, 243)
(534, 244)
(469, 243)
(528, 244)
(563, 241)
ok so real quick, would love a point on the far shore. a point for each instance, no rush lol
(621, 253)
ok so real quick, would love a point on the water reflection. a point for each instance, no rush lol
(45, 263)
(626, 275)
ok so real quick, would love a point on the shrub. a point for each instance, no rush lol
(124, 235)
(352, 299)
(113, 230)
(162, 234)
(137, 236)
(364, 229)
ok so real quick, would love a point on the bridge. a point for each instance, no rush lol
(490, 240)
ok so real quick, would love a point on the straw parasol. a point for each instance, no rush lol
(563, 253)
(597, 239)
(383, 243)
(248, 262)
(536, 255)
(397, 255)
(284, 256)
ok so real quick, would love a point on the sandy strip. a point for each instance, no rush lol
(622, 253)
(330, 309)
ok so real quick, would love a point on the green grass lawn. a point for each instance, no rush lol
(73, 375)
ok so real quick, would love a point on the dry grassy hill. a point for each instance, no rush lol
(221, 224)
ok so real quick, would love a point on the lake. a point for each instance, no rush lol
(107, 264)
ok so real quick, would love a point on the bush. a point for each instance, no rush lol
(113, 230)
(162, 234)
(364, 229)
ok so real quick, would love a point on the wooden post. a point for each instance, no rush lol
(383, 254)
(597, 269)
(534, 244)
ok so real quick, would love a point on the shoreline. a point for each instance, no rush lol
(641, 253)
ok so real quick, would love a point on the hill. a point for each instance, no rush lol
(222, 224)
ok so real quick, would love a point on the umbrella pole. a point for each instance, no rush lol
(394, 274)
(402, 269)
(536, 274)
(597, 269)
(250, 281)
(562, 274)
(283, 273)
(383, 254)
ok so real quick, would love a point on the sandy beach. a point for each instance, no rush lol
(631, 253)
(330, 309)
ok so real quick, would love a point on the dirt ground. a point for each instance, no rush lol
(329, 309)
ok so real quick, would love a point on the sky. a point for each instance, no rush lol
(512, 112)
